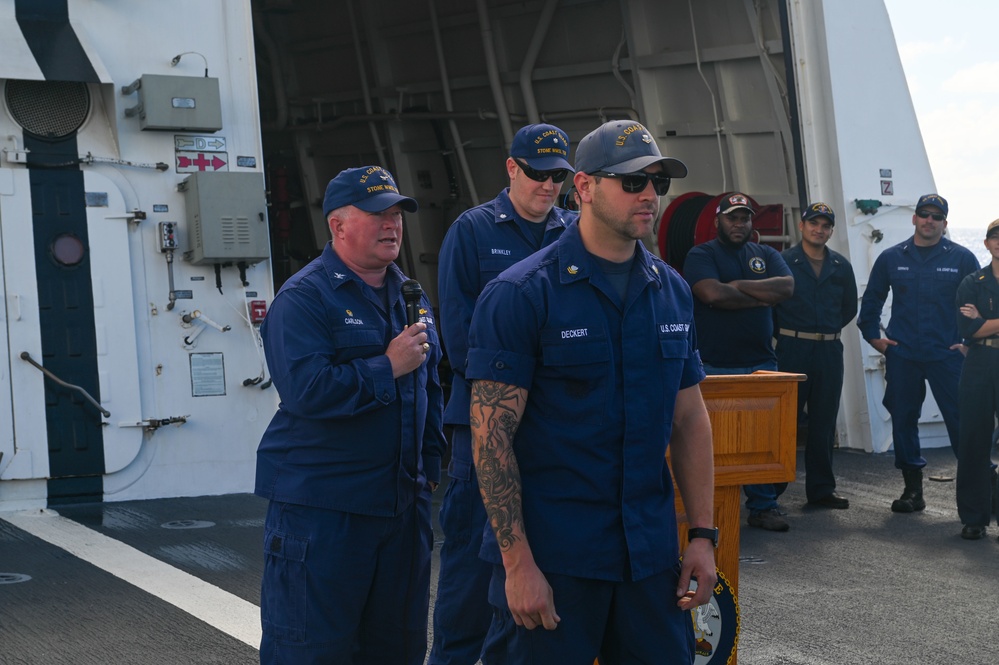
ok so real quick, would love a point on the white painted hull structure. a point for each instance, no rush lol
(89, 185)
(162, 166)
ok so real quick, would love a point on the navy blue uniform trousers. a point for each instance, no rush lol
(345, 589)
(979, 398)
(820, 394)
(462, 612)
(624, 623)
(905, 390)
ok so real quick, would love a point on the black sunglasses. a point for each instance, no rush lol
(937, 217)
(634, 183)
(557, 175)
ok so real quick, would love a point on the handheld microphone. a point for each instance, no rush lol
(412, 292)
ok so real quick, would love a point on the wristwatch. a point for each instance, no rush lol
(702, 532)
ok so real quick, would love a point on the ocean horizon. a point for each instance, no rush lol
(973, 238)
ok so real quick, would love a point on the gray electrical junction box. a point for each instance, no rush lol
(184, 103)
(226, 218)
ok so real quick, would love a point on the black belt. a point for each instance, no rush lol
(989, 341)
(815, 337)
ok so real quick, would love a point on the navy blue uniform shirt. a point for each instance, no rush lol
(483, 242)
(733, 337)
(923, 290)
(822, 304)
(981, 289)
(345, 436)
(602, 380)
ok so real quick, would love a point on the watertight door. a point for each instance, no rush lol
(67, 265)
(23, 440)
(116, 249)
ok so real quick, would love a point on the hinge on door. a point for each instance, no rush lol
(152, 424)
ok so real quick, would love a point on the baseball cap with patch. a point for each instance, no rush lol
(543, 147)
(369, 188)
(734, 201)
(992, 230)
(818, 209)
(623, 146)
(932, 200)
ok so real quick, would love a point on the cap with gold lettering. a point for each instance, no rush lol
(623, 146)
(544, 147)
(932, 200)
(369, 188)
(818, 209)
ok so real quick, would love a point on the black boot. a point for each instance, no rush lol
(912, 497)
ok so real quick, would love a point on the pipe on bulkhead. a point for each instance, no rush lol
(616, 69)
(173, 292)
(493, 71)
(390, 117)
(277, 76)
(459, 147)
(531, 58)
(365, 91)
(603, 113)
(714, 103)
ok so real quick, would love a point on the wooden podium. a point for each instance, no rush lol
(754, 420)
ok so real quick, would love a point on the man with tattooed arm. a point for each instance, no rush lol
(584, 368)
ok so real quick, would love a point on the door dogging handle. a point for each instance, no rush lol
(27, 358)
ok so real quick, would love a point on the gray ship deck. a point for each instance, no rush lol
(858, 586)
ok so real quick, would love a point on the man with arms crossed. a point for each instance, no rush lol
(736, 283)
(584, 368)
(978, 321)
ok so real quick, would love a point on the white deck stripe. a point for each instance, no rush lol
(220, 609)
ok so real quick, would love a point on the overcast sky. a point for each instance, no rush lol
(950, 53)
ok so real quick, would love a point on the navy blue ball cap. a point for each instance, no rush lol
(543, 147)
(369, 188)
(818, 209)
(932, 200)
(623, 146)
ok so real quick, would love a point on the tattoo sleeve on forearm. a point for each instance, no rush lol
(496, 409)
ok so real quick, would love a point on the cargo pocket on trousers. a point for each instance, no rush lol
(456, 512)
(284, 589)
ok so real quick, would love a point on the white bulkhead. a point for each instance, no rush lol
(92, 218)
(109, 258)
